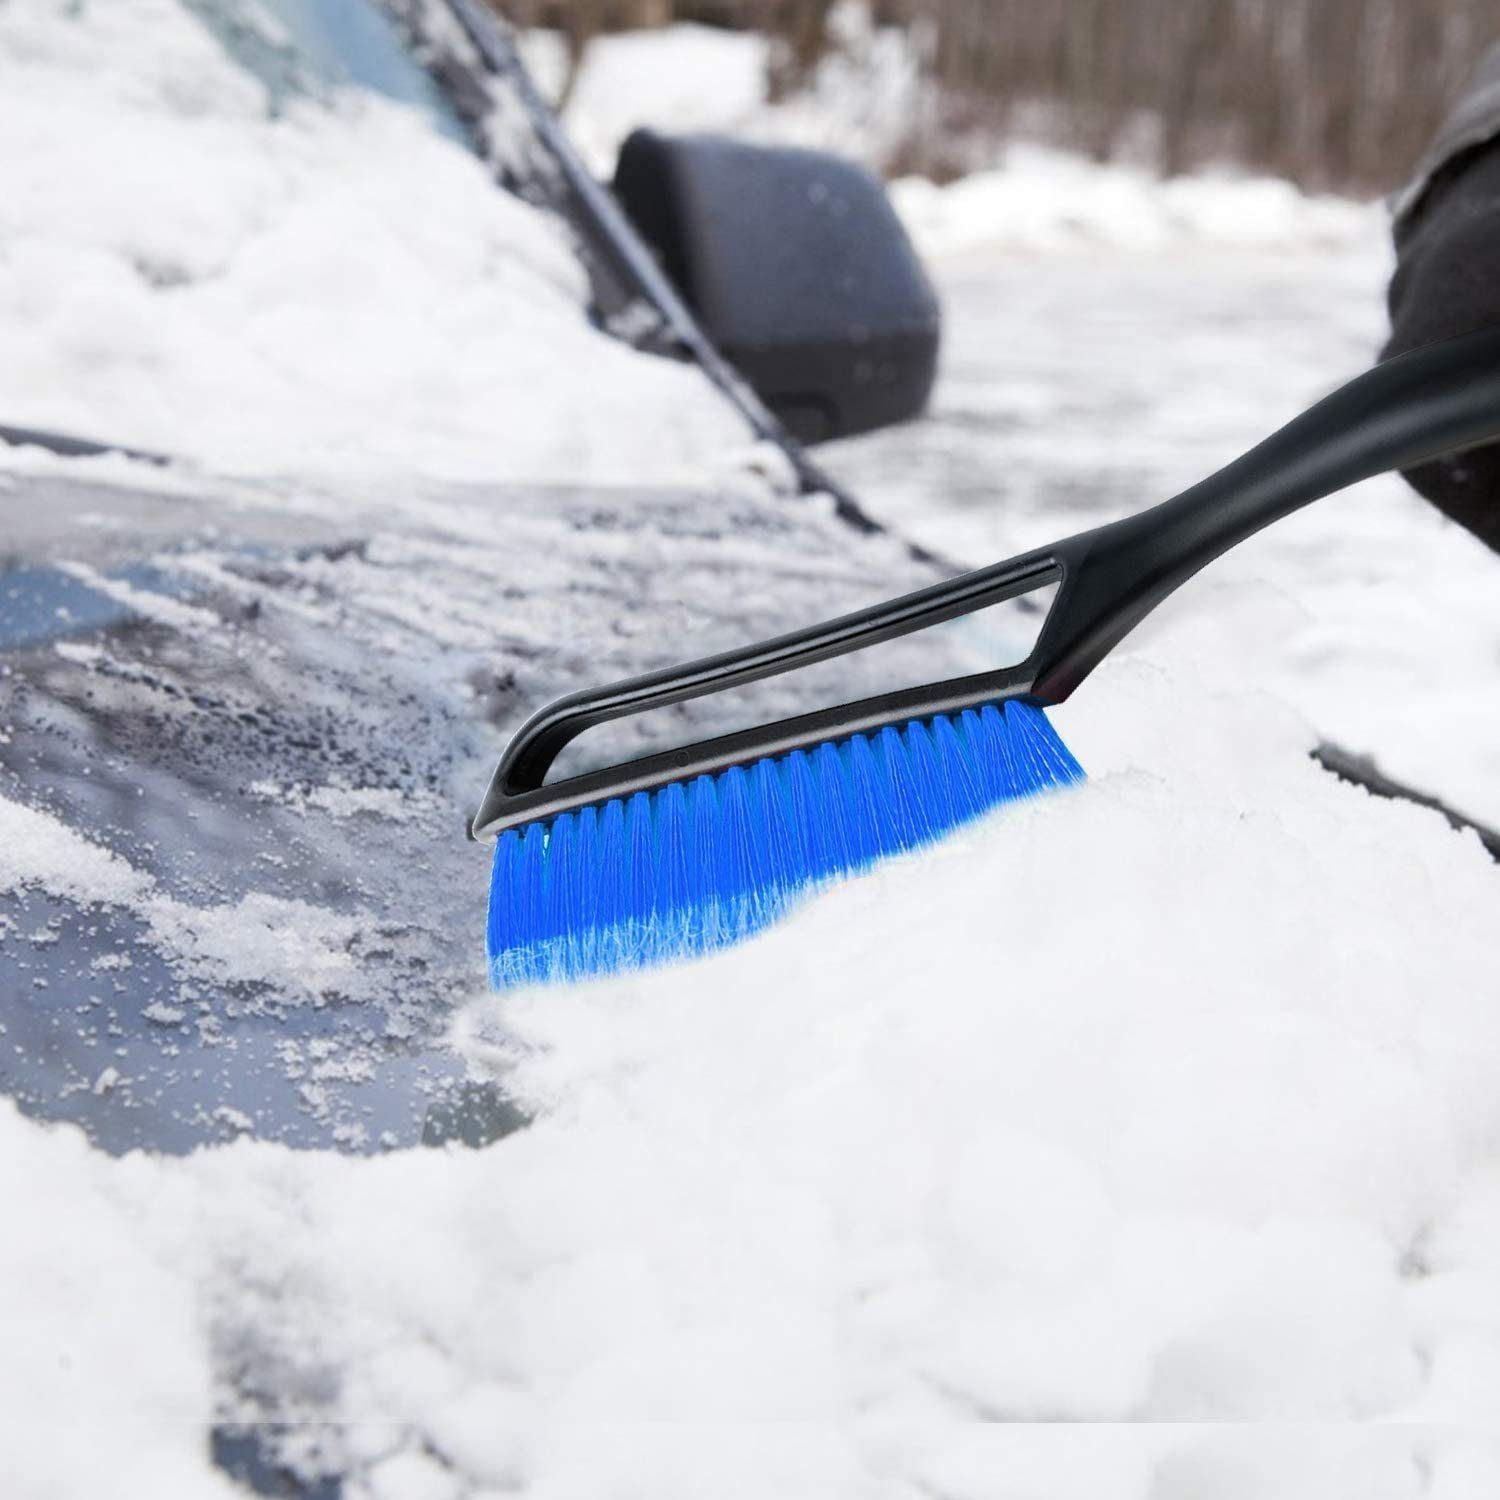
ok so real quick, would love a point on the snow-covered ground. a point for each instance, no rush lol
(1140, 1144)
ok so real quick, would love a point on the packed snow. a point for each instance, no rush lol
(337, 289)
(1141, 1143)
(1160, 1147)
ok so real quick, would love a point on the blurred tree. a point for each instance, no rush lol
(1334, 94)
(578, 22)
(799, 29)
(1341, 94)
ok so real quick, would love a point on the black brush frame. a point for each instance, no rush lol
(1430, 402)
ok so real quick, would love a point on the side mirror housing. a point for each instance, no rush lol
(799, 270)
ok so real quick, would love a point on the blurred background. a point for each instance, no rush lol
(1334, 95)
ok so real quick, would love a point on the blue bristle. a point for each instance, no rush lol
(785, 848)
(828, 791)
(1045, 746)
(1024, 768)
(504, 937)
(693, 867)
(908, 819)
(985, 761)
(1008, 735)
(640, 866)
(518, 947)
(869, 824)
(807, 810)
(732, 873)
(763, 858)
(1005, 774)
(940, 809)
(958, 771)
(583, 880)
(674, 887)
(703, 840)
(610, 878)
(562, 911)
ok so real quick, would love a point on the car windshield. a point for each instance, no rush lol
(247, 700)
(299, 47)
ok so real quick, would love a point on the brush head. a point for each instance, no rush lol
(695, 866)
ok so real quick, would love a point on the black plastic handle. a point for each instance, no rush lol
(543, 736)
(1432, 401)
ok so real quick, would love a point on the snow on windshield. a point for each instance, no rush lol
(339, 289)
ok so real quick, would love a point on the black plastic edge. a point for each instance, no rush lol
(518, 792)
(764, 742)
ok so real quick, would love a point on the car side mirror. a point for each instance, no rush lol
(795, 264)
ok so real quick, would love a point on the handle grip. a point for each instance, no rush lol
(1432, 401)
(539, 741)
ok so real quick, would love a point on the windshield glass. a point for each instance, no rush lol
(247, 701)
(302, 46)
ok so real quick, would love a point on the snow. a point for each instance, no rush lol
(686, 78)
(306, 952)
(339, 292)
(148, 603)
(1046, 200)
(38, 850)
(860, 101)
(392, 803)
(1060, 1145)
(99, 1336)
(295, 313)
(1139, 1144)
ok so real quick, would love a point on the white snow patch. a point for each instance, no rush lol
(1040, 199)
(304, 952)
(391, 803)
(39, 850)
(149, 604)
(683, 78)
(234, 1119)
(79, 652)
(688, 78)
(339, 289)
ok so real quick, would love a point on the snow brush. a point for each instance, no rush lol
(689, 850)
